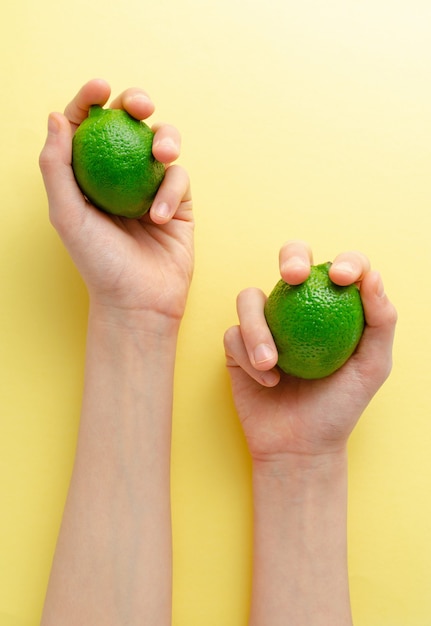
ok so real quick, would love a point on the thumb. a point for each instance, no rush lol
(55, 162)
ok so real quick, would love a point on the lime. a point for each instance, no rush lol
(113, 162)
(316, 325)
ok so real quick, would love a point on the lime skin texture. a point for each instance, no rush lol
(316, 325)
(113, 163)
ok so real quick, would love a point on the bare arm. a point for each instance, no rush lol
(113, 560)
(112, 565)
(297, 433)
(300, 544)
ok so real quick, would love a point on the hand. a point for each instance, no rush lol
(129, 266)
(282, 415)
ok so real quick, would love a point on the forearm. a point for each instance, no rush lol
(300, 573)
(113, 560)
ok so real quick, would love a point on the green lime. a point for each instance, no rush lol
(316, 325)
(113, 162)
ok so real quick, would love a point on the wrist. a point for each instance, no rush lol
(129, 371)
(302, 467)
(134, 322)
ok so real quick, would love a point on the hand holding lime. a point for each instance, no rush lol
(316, 325)
(113, 163)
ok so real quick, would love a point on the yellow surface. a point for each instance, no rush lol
(300, 119)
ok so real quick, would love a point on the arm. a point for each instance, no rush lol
(297, 433)
(112, 563)
(300, 544)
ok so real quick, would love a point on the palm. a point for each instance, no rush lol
(135, 264)
(297, 416)
(128, 265)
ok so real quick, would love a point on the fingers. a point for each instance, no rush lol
(349, 267)
(295, 258)
(54, 162)
(375, 349)
(66, 202)
(166, 143)
(237, 357)
(257, 338)
(96, 91)
(56, 156)
(167, 139)
(250, 345)
(135, 101)
(173, 197)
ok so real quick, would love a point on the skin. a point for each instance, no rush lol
(297, 433)
(113, 561)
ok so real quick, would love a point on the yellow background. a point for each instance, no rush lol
(299, 119)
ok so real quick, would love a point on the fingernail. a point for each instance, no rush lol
(345, 267)
(294, 262)
(166, 143)
(380, 290)
(141, 98)
(162, 210)
(53, 125)
(263, 353)
(269, 379)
